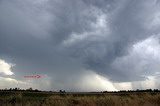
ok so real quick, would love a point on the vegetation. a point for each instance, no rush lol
(30, 97)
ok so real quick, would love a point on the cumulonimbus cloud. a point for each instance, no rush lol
(66, 38)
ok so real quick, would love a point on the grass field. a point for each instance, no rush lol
(22, 98)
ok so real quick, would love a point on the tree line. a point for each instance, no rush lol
(63, 91)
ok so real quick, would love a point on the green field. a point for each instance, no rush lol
(25, 98)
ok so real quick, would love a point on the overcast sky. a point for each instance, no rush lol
(80, 45)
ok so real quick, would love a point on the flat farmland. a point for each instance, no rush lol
(26, 98)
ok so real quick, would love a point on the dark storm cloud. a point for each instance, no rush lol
(61, 38)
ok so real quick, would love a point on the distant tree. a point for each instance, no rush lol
(149, 90)
(15, 89)
(155, 90)
(36, 90)
(29, 89)
(62, 91)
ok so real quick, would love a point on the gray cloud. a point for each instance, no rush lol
(63, 39)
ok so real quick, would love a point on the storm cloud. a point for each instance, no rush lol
(77, 44)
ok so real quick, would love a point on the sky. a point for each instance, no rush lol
(80, 45)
